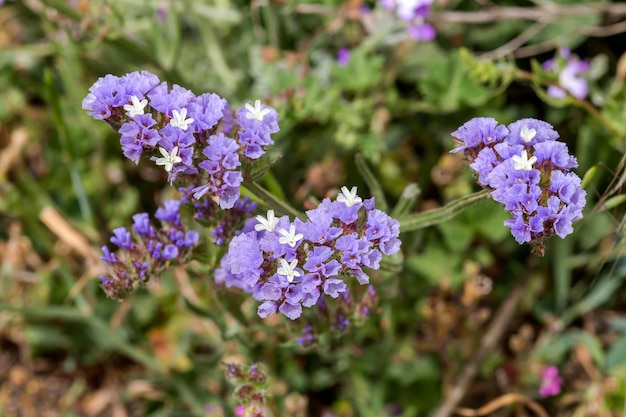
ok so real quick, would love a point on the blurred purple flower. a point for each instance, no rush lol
(550, 382)
(414, 13)
(570, 68)
(343, 57)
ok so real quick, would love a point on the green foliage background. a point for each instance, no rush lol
(160, 352)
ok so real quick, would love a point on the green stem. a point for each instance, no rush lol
(280, 207)
(431, 217)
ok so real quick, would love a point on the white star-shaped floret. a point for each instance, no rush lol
(169, 159)
(348, 197)
(527, 133)
(268, 223)
(289, 237)
(522, 162)
(256, 112)
(288, 269)
(137, 106)
(179, 119)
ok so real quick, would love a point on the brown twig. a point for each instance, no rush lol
(487, 344)
(506, 399)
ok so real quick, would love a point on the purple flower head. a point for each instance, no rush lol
(527, 174)
(477, 133)
(288, 265)
(551, 382)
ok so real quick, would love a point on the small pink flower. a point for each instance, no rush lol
(550, 382)
(239, 410)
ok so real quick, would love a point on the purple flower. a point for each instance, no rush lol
(222, 160)
(569, 68)
(166, 101)
(343, 57)
(207, 110)
(169, 212)
(291, 311)
(477, 132)
(138, 134)
(141, 225)
(550, 382)
(414, 14)
(121, 237)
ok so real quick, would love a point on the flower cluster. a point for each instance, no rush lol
(147, 250)
(199, 137)
(287, 265)
(527, 169)
(569, 69)
(414, 13)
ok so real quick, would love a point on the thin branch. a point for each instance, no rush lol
(516, 42)
(488, 343)
(535, 49)
(547, 13)
(603, 31)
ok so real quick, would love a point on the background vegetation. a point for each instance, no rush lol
(472, 314)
